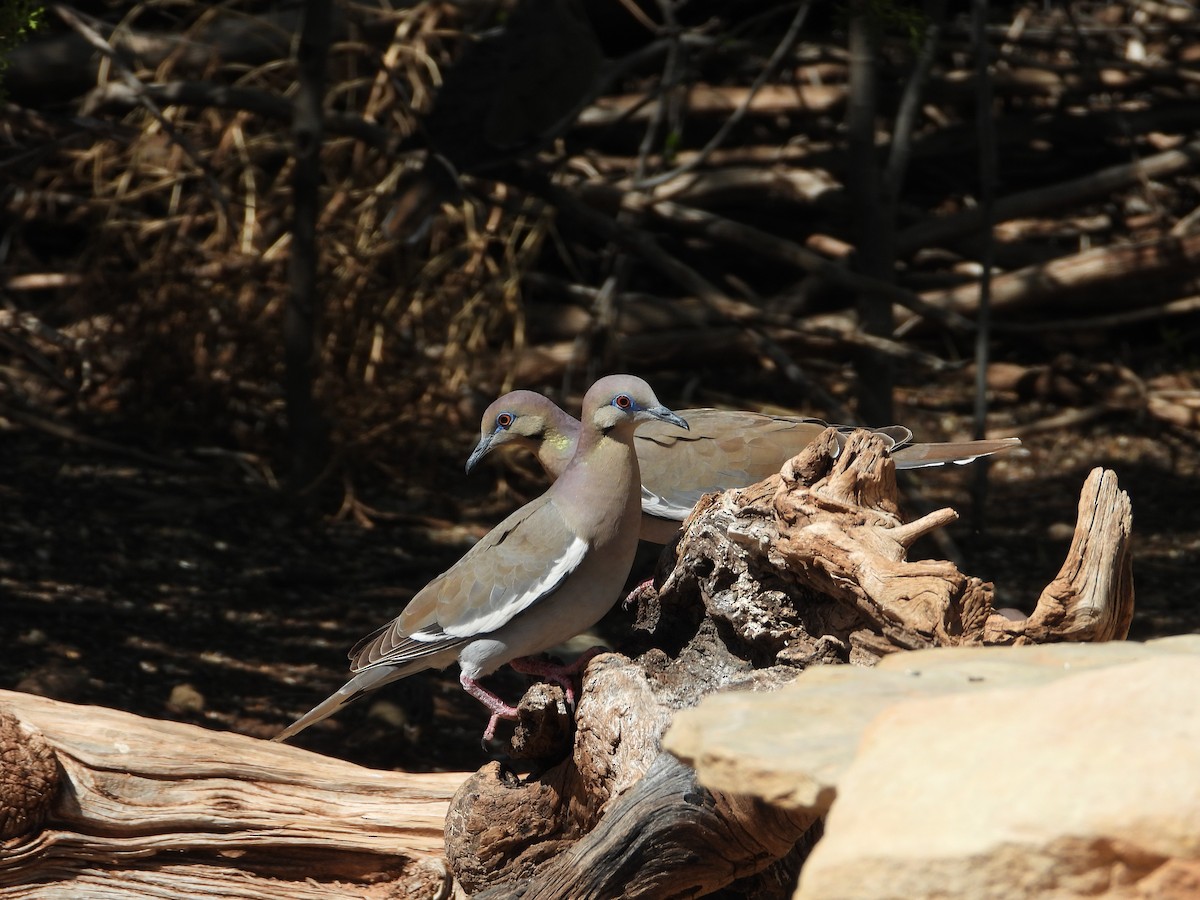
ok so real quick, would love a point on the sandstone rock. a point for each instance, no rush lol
(1085, 787)
(1060, 770)
(792, 746)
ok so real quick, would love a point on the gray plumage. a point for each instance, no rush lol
(723, 449)
(549, 571)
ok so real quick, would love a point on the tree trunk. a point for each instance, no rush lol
(307, 430)
(872, 205)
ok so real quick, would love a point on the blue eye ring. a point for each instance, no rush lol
(624, 402)
(505, 420)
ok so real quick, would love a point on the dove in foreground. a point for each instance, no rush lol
(549, 571)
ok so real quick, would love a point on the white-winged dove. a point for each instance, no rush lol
(546, 573)
(722, 450)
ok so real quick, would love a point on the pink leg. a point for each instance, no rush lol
(500, 709)
(645, 589)
(563, 676)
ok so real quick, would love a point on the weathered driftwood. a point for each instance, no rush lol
(662, 834)
(1091, 598)
(807, 567)
(100, 803)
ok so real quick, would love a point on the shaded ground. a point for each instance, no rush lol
(197, 594)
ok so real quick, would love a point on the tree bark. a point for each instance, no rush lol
(307, 430)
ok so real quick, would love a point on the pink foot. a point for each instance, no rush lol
(490, 731)
(564, 676)
(639, 593)
(500, 709)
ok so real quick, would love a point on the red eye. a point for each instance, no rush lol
(504, 420)
(622, 401)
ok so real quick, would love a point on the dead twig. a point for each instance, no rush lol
(780, 249)
(75, 21)
(786, 43)
(1071, 418)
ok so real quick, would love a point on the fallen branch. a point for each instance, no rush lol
(747, 237)
(667, 347)
(708, 100)
(1103, 273)
(1042, 200)
(1181, 307)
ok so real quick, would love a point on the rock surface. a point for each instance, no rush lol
(1052, 771)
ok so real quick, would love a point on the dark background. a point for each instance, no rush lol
(157, 553)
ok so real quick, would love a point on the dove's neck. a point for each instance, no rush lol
(603, 483)
(559, 442)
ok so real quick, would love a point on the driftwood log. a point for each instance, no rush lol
(805, 568)
(100, 803)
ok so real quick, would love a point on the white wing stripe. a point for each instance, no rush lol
(661, 507)
(494, 614)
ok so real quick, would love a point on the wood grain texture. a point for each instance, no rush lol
(1091, 598)
(148, 808)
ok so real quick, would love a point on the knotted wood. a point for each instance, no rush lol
(808, 567)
